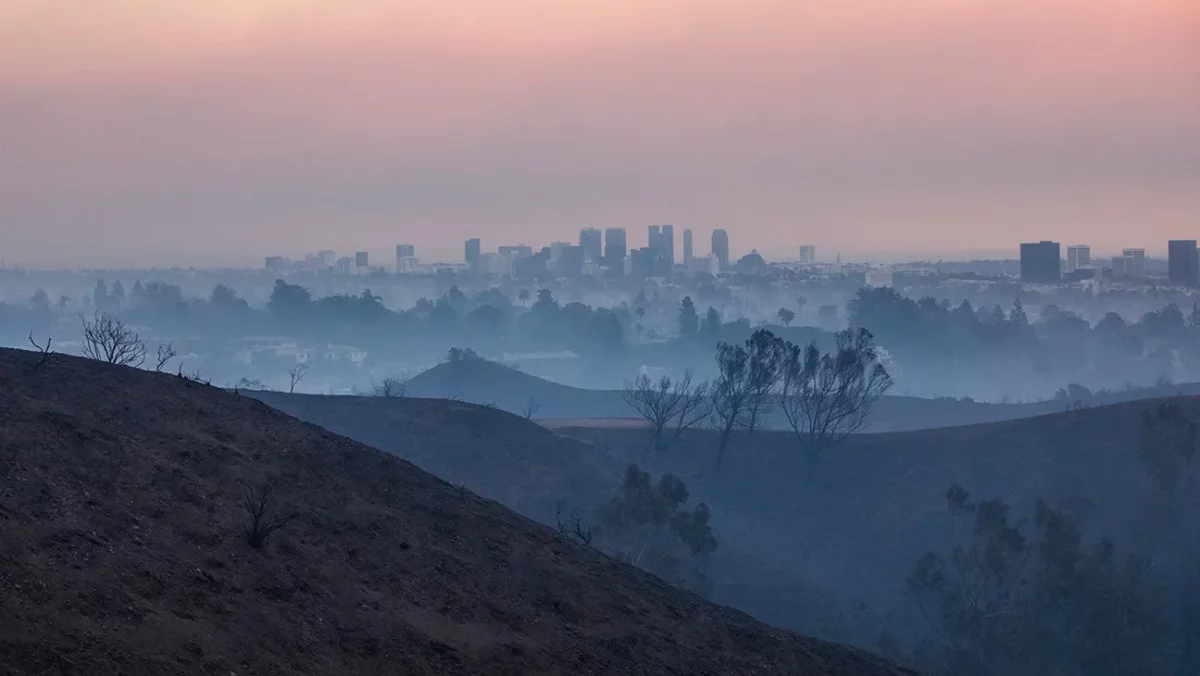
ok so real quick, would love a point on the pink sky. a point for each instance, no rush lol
(150, 132)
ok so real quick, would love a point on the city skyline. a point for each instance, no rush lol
(173, 134)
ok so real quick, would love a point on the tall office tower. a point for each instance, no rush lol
(688, 252)
(327, 258)
(1139, 262)
(471, 253)
(1078, 256)
(808, 254)
(1041, 262)
(668, 245)
(360, 259)
(615, 248)
(592, 243)
(405, 252)
(1122, 266)
(652, 235)
(720, 247)
(1182, 266)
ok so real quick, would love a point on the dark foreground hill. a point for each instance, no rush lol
(122, 552)
(485, 382)
(873, 509)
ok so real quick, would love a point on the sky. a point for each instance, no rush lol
(161, 132)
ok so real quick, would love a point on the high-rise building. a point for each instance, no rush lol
(615, 248)
(688, 252)
(1078, 256)
(808, 254)
(275, 263)
(667, 248)
(592, 243)
(327, 258)
(1183, 268)
(404, 252)
(360, 259)
(570, 261)
(1139, 262)
(1041, 262)
(720, 247)
(471, 253)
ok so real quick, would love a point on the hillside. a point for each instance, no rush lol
(529, 469)
(877, 504)
(875, 507)
(485, 382)
(122, 553)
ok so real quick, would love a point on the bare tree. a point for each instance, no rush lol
(670, 407)
(570, 525)
(264, 516)
(391, 387)
(765, 354)
(166, 353)
(827, 397)
(730, 393)
(295, 375)
(108, 339)
(531, 408)
(43, 351)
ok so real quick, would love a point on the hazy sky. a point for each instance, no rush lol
(172, 131)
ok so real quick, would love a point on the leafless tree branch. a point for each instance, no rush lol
(264, 517)
(108, 339)
(295, 375)
(166, 352)
(43, 351)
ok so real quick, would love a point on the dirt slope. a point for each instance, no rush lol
(121, 553)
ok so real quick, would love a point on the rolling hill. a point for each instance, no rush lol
(122, 552)
(486, 382)
(876, 505)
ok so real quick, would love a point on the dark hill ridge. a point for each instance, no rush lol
(121, 553)
(508, 389)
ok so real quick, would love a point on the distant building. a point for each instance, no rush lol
(275, 263)
(720, 247)
(360, 259)
(640, 263)
(1139, 262)
(592, 243)
(471, 253)
(688, 252)
(615, 248)
(1041, 262)
(404, 251)
(1078, 256)
(532, 267)
(808, 254)
(1183, 268)
(1122, 266)
(495, 265)
(515, 252)
(570, 261)
(345, 265)
(326, 258)
(667, 246)
(879, 278)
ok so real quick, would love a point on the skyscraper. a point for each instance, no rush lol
(615, 248)
(472, 251)
(808, 254)
(1183, 268)
(688, 253)
(592, 243)
(360, 259)
(720, 247)
(667, 250)
(1139, 262)
(1078, 256)
(1041, 262)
